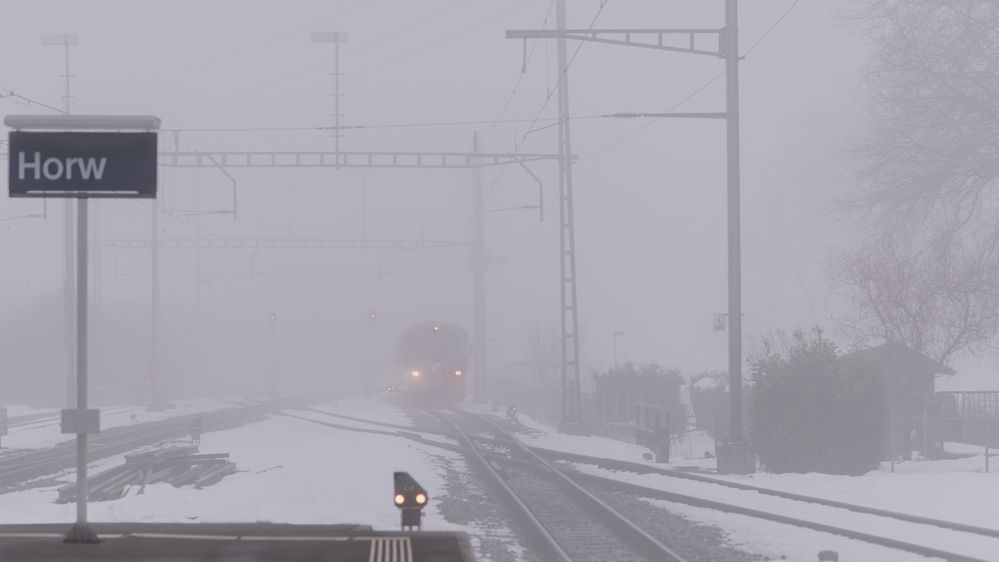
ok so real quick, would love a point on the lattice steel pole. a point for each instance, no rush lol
(570, 415)
(479, 264)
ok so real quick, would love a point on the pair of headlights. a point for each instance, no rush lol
(457, 373)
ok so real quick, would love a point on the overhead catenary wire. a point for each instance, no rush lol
(10, 95)
(699, 89)
(548, 97)
(405, 28)
(447, 38)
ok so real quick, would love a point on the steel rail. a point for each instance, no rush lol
(649, 543)
(512, 496)
(728, 507)
(18, 469)
(672, 473)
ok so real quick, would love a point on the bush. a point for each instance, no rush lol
(713, 406)
(646, 382)
(815, 411)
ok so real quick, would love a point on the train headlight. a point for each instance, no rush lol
(458, 373)
(421, 499)
(415, 373)
(400, 499)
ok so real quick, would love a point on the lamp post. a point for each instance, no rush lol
(616, 334)
(66, 41)
(272, 328)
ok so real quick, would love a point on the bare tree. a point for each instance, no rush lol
(933, 83)
(929, 277)
(540, 349)
(940, 299)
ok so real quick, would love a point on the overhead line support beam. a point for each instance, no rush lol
(657, 39)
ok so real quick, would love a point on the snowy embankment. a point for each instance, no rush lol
(45, 432)
(290, 471)
(964, 497)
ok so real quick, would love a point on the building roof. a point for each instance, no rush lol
(897, 353)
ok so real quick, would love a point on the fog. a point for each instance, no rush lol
(649, 206)
(269, 340)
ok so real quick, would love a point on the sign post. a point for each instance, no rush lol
(82, 156)
(3, 423)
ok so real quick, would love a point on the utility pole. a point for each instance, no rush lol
(570, 415)
(336, 38)
(479, 265)
(731, 52)
(272, 375)
(65, 41)
(735, 455)
(616, 334)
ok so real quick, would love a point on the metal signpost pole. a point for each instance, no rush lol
(155, 400)
(81, 532)
(75, 156)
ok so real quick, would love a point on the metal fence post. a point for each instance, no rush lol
(891, 441)
(669, 437)
(988, 434)
(924, 450)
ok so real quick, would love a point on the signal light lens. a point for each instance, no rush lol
(400, 499)
(437, 328)
(421, 499)
(458, 373)
(415, 373)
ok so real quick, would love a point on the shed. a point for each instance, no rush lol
(909, 377)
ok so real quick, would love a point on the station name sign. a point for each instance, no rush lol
(82, 164)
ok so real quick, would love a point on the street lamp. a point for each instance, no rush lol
(616, 334)
(272, 327)
(66, 40)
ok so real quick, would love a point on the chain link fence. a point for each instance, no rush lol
(933, 443)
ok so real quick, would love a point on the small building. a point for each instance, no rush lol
(909, 377)
(617, 392)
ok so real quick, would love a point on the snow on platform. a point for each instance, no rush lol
(290, 471)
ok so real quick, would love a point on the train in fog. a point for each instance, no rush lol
(433, 359)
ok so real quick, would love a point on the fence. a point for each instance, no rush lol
(941, 444)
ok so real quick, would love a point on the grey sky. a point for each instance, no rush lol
(650, 210)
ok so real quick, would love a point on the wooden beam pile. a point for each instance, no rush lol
(180, 466)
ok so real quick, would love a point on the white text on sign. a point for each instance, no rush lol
(54, 169)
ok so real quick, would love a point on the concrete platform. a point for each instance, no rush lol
(211, 542)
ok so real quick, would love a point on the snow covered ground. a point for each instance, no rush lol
(346, 476)
(290, 470)
(46, 432)
(966, 497)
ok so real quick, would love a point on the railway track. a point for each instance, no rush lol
(637, 468)
(904, 532)
(17, 471)
(34, 421)
(572, 524)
